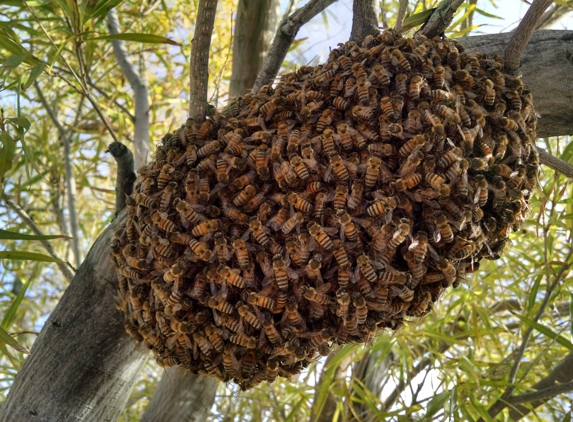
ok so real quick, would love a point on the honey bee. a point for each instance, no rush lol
(411, 163)
(166, 195)
(324, 120)
(319, 234)
(316, 295)
(205, 227)
(444, 230)
(259, 300)
(163, 222)
(231, 275)
(398, 60)
(245, 195)
(410, 146)
(362, 85)
(299, 167)
(292, 222)
(145, 201)
(204, 190)
(439, 77)
(259, 232)
(435, 180)
(378, 207)
(348, 226)
(163, 178)
(356, 195)
(340, 196)
(419, 247)
(415, 86)
(403, 292)
(282, 272)
(448, 270)
(221, 305)
(449, 157)
(361, 309)
(372, 171)
(314, 187)
(313, 267)
(300, 203)
(293, 315)
(249, 317)
(400, 234)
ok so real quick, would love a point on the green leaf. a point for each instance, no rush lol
(34, 73)
(8, 235)
(101, 8)
(9, 340)
(27, 256)
(147, 38)
(571, 314)
(436, 403)
(486, 14)
(7, 153)
(547, 331)
(417, 19)
(13, 61)
(11, 312)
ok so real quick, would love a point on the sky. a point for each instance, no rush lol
(339, 17)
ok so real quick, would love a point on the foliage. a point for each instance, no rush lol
(465, 348)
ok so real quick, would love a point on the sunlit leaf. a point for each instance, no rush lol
(5, 234)
(417, 19)
(27, 256)
(547, 331)
(144, 38)
(11, 312)
(10, 341)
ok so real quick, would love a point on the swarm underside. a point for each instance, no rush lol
(341, 201)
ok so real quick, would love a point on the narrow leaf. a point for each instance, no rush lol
(27, 256)
(9, 340)
(436, 403)
(147, 38)
(34, 73)
(8, 235)
(11, 312)
(417, 19)
(571, 314)
(547, 331)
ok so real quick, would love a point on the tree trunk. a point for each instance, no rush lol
(371, 373)
(83, 364)
(547, 66)
(181, 396)
(326, 412)
(256, 23)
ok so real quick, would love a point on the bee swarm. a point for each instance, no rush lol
(343, 200)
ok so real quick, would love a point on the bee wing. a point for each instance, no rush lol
(332, 231)
(437, 236)
(184, 221)
(246, 235)
(150, 254)
(324, 288)
(330, 273)
(312, 244)
(413, 245)
(388, 217)
(213, 256)
(377, 265)
(355, 274)
(292, 273)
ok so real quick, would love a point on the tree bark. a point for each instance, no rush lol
(254, 29)
(364, 19)
(83, 364)
(441, 18)
(371, 373)
(326, 412)
(547, 67)
(181, 396)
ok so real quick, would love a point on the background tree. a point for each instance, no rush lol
(500, 341)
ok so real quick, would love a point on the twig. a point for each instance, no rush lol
(555, 163)
(70, 179)
(400, 16)
(125, 173)
(544, 394)
(139, 86)
(502, 402)
(200, 47)
(364, 19)
(440, 19)
(521, 35)
(383, 14)
(286, 33)
(552, 15)
(62, 265)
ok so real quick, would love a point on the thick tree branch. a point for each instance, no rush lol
(125, 174)
(256, 23)
(547, 67)
(440, 19)
(83, 364)
(403, 6)
(200, 48)
(501, 403)
(325, 413)
(562, 373)
(63, 266)
(520, 37)
(555, 163)
(181, 396)
(286, 33)
(364, 19)
(552, 15)
(70, 178)
(139, 86)
(545, 394)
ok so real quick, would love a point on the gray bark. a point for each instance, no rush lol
(547, 67)
(181, 396)
(364, 19)
(441, 18)
(140, 92)
(83, 364)
(254, 29)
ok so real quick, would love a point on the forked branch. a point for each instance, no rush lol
(440, 19)
(200, 48)
(288, 28)
(522, 33)
(125, 174)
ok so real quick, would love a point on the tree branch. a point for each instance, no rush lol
(200, 48)
(286, 33)
(83, 364)
(70, 179)
(545, 394)
(62, 265)
(403, 6)
(181, 396)
(364, 19)
(440, 19)
(562, 373)
(520, 37)
(125, 174)
(501, 403)
(139, 86)
(555, 163)
(256, 23)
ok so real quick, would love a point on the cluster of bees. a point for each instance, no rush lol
(343, 200)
